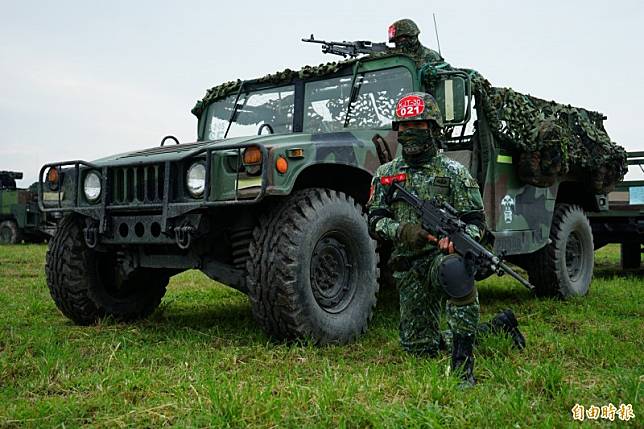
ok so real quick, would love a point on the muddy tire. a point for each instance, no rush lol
(313, 269)
(564, 267)
(86, 286)
(9, 232)
(631, 255)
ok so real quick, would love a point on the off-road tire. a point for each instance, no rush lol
(386, 275)
(631, 255)
(9, 232)
(295, 288)
(83, 282)
(555, 269)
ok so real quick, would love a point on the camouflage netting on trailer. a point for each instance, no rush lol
(551, 140)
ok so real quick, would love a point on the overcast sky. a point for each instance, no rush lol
(86, 79)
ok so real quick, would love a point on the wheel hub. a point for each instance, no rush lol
(331, 273)
(574, 259)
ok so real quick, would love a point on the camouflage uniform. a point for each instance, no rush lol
(422, 55)
(415, 270)
(418, 263)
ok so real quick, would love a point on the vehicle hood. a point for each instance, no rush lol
(171, 152)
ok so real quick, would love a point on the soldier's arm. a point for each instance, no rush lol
(469, 204)
(434, 57)
(382, 224)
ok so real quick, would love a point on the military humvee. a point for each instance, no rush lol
(20, 217)
(270, 200)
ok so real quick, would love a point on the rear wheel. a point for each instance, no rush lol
(312, 271)
(631, 255)
(86, 284)
(564, 267)
(9, 232)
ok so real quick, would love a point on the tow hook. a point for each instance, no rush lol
(183, 236)
(91, 236)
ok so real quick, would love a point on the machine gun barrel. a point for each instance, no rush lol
(348, 49)
(506, 269)
(442, 219)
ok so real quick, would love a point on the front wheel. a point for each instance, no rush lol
(86, 284)
(313, 269)
(9, 232)
(564, 267)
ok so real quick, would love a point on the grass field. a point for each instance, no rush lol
(200, 361)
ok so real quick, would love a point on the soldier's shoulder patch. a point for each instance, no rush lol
(372, 191)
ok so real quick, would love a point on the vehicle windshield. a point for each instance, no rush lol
(265, 111)
(326, 101)
(329, 106)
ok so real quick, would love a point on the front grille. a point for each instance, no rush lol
(137, 184)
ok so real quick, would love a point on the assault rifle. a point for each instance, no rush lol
(441, 219)
(349, 49)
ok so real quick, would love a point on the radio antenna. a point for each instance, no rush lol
(436, 30)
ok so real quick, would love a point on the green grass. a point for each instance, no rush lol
(201, 361)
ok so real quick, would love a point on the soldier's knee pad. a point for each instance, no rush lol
(456, 279)
(467, 299)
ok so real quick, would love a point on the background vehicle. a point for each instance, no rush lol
(622, 221)
(270, 200)
(20, 217)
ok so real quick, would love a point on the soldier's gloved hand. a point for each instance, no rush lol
(414, 236)
(445, 245)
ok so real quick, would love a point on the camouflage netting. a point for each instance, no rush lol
(228, 88)
(548, 140)
(551, 140)
(220, 91)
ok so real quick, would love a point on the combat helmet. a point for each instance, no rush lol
(417, 106)
(403, 27)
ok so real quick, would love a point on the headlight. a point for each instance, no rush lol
(196, 179)
(92, 186)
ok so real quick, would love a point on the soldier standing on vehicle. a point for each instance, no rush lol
(418, 257)
(404, 34)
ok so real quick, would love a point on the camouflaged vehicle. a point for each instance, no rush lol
(622, 219)
(20, 217)
(270, 200)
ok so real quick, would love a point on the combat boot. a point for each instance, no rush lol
(463, 358)
(505, 323)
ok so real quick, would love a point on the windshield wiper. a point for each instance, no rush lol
(355, 90)
(235, 107)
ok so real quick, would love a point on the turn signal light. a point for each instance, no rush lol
(281, 165)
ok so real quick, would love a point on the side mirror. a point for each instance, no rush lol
(454, 97)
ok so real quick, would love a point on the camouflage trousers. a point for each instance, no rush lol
(421, 303)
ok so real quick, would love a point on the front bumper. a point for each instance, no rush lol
(156, 209)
